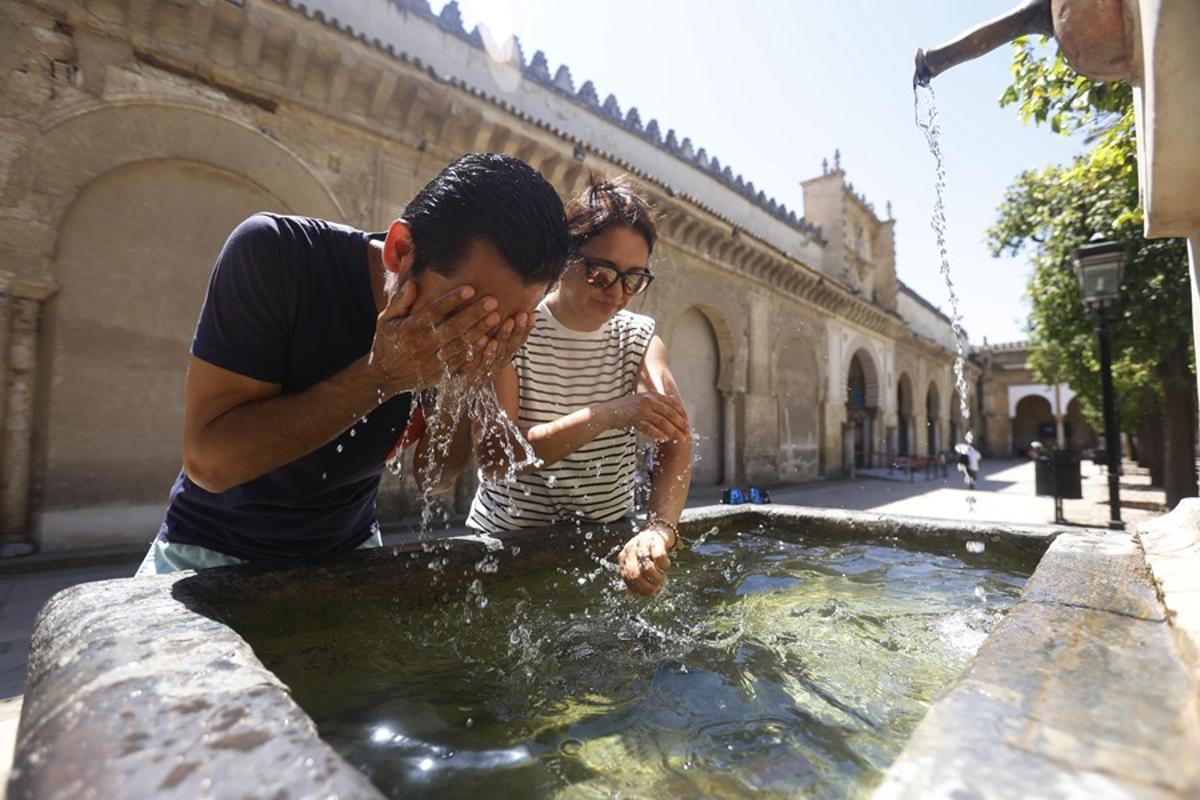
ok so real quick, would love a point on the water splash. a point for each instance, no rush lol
(925, 113)
(555, 682)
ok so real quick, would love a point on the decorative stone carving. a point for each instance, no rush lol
(611, 108)
(451, 18)
(633, 120)
(563, 81)
(587, 95)
(652, 132)
(539, 68)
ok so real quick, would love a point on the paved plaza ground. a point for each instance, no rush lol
(1004, 493)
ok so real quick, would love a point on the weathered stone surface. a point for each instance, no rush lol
(1102, 570)
(1079, 692)
(1172, 544)
(132, 693)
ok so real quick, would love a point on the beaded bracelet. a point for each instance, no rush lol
(657, 520)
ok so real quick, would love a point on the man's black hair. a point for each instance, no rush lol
(495, 197)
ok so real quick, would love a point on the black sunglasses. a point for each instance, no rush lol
(602, 276)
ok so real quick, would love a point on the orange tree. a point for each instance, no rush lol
(1049, 212)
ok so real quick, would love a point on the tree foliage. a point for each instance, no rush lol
(1047, 89)
(1051, 211)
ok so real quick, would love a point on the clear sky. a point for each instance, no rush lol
(771, 88)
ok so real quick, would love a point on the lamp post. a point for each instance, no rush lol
(1099, 266)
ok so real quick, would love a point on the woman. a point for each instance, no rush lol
(590, 377)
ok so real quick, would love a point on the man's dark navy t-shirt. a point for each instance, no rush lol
(290, 302)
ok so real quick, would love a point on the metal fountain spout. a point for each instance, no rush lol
(1098, 38)
(1032, 16)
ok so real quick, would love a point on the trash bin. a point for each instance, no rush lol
(1056, 474)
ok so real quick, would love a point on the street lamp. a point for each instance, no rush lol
(1099, 265)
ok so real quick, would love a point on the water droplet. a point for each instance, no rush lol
(976, 547)
(339, 448)
(352, 431)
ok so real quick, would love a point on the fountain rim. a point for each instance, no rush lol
(70, 679)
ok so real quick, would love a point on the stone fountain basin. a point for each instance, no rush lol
(137, 688)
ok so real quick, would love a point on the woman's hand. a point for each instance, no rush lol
(644, 563)
(659, 416)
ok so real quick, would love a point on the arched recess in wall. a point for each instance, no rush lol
(1033, 422)
(78, 149)
(798, 383)
(862, 408)
(696, 362)
(151, 200)
(869, 359)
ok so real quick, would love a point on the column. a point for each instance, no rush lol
(729, 471)
(1194, 268)
(16, 452)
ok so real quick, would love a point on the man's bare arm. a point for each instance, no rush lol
(237, 428)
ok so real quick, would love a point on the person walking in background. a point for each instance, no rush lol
(968, 461)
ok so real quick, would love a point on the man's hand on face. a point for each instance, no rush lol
(450, 335)
(502, 345)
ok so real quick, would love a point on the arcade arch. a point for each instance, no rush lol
(862, 406)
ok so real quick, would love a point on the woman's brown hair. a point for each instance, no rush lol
(605, 203)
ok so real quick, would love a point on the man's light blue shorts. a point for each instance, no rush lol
(164, 556)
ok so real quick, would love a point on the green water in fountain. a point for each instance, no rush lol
(768, 667)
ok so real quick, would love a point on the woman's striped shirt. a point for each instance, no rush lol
(559, 371)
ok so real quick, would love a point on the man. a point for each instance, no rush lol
(312, 340)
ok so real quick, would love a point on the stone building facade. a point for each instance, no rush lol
(135, 134)
(1018, 410)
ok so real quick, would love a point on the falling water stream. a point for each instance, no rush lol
(925, 113)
